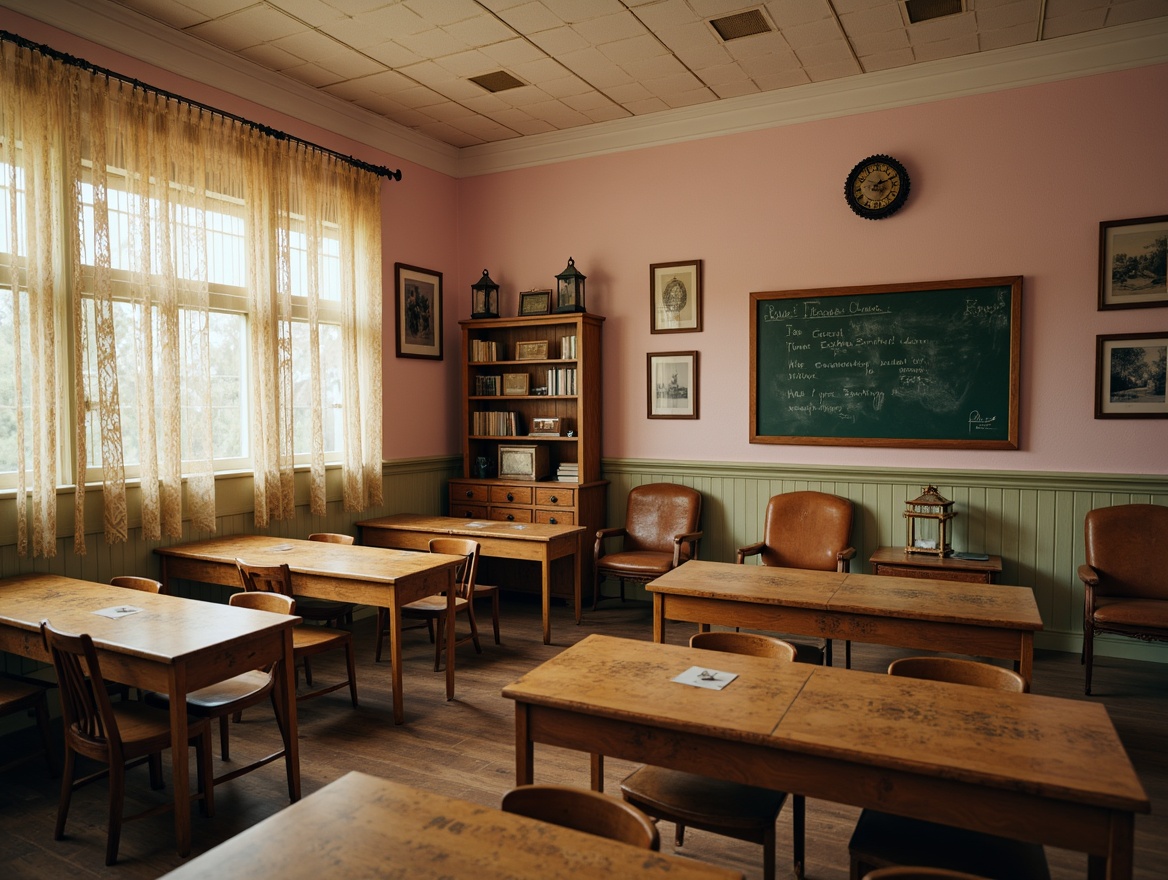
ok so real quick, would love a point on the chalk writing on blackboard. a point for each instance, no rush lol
(923, 364)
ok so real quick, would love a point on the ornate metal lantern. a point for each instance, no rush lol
(927, 523)
(484, 298)
(570, 290)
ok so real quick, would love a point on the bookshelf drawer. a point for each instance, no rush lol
(463, 493)
(470, 511)
(556, 517)
(555, 497)
(511, 514)
(511, 495)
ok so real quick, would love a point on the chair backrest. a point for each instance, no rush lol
(1126, 545)
(265, 578)
(959, 672)
(657, 512)
(277, 603)
(331, 537)
(86, 710)
(754, 644)
(146, 585)
(469, 570)
(806, 530)
(905, 872)
(584, 810)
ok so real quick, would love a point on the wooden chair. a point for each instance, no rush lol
(743, 812)
(908, 873)
(811, 530)
(129, 582)
(432, 609)
(308, 640)
(881, 840)
(21, 694)
(1125, 576)
(326, 611)
(660, 533)
(231, 697)
(584, 810)
(118, 735)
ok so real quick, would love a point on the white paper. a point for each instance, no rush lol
(700, 676)
(116, 611)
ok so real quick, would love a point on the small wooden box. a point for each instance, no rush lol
(523, 462)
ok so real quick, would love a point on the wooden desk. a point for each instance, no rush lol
(1036, 768)
(363, 575)
(363, 826)
(895, 562)
(536, 542)
(172, 645)
(982, 620)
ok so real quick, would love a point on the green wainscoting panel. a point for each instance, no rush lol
(1034, 521)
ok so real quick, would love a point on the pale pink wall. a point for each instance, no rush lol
(1011, 183)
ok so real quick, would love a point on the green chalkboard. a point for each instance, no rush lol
(931, 364)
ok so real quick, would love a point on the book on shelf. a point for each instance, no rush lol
(567, 347)
(569, 472)
(495, 424)
(482, 350)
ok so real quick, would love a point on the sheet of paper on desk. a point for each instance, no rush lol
(116, 611)
(700, 676)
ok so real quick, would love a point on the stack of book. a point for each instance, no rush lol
(568, 472)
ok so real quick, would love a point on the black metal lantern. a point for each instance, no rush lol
(484, 298)
(927, 523)
(570, 290)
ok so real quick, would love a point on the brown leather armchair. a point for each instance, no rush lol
(660, 533)
(1125, 577)
(807, 529)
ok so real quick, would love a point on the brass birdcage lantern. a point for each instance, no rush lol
(927, 523)
(484, 298)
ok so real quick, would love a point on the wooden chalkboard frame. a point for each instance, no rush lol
(1006, 384)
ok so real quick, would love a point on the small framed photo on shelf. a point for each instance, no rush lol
(675, 297)
(532, 350)
(418, 298)
(1129, 376)
(545, 427)
(673, 385)
(535, 302)
(516, 383)
(1131, 263)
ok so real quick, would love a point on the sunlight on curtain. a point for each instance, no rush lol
(192, 238)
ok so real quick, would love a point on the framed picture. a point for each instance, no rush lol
(1131, 263)
(418, 294)
(531, 351)
(675, 297)
(548, 426)
(673, 385)
(535, 302)
(515, 383)
(1129, 376)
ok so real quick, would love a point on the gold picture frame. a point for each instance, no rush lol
(532, 350)
(516, 384)
(535, 302)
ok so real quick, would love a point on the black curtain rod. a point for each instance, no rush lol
(379, 170)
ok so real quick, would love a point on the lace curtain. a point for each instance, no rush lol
(153, 171)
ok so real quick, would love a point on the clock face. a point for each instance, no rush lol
(877, 187)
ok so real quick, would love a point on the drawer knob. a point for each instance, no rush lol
(510, 497)
(555, 500)
(553, 520)
(510, 517)
(470, 493)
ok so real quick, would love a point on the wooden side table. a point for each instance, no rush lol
(895, 562)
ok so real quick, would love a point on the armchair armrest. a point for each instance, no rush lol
(690, 538)
(841, 558)
(1088, 575)
(750, 550)
(1090, 578)
(601, 534)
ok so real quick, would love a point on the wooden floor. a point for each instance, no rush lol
(465, 748)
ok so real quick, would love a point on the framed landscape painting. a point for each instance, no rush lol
(1132, 260)
(418, 296)
(1129, 376)
(673, 385)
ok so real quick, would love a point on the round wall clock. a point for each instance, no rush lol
(877, 187)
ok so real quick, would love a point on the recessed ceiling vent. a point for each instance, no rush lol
(741, 24)
(924, 10)
(497, 81)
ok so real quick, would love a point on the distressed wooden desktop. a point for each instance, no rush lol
(985, 620)
(362, 575)
(536, 542)
(364, 826)
(172, 645)
(1036, 768)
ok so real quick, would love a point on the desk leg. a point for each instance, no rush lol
(450, 597)
(524, 748)
(1026, 661)
(286, 706)
(578, 588)
(658, 618)
(545, 570)
(1119, 862)
(597, 767)
(180, 755)
(395, 658)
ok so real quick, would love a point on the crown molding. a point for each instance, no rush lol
(123, 30)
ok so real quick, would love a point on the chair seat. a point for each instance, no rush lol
(1142, 613)
(702, 801)
(313, 639)
(215, 698)
(148, 728)
(637, 563)
(432, 605)
(882, 840)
